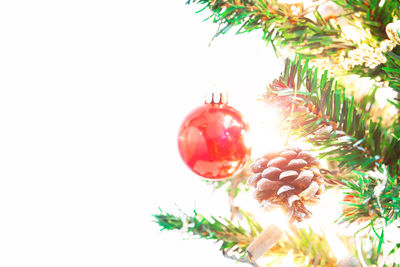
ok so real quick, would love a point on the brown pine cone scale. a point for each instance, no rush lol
(289, 178)
(271, 173)
(289, 154)
(278, 162)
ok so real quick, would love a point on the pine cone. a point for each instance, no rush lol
(289, 178)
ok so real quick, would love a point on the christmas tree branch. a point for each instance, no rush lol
(235, 239)
(283, 24)
(342, 130)
(331, 119)
(376, 14)
(371, 196)
(305, 244)
(312, 34)
(392, 68)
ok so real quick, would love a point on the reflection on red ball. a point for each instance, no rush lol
(212, 141)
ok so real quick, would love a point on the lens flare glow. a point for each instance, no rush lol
(264, 129)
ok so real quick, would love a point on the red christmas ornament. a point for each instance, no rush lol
(212, 141)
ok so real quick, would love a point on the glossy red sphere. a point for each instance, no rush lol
(212, 141)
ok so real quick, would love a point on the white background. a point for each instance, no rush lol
(92, 94)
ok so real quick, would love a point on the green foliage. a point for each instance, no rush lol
(364, 71)
(392, 68)
(168, 221)
(234, 238)
(304, 243)
(376, 14)
(373, 198)
(363, 200)
(280, 26)
(341, 129)
(331, 119)
(311, 38)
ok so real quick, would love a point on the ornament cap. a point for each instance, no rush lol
(218, 98)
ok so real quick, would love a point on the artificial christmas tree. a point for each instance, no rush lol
(351, 126)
